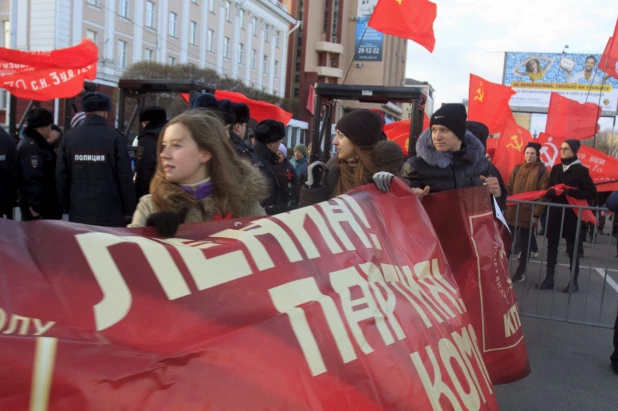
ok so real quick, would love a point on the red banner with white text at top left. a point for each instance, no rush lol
(46, 75)
(339, 306)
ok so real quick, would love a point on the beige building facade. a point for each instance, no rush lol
(244, 40)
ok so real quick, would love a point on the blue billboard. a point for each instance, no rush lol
(372, 43)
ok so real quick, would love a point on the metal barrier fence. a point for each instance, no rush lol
(596, 300)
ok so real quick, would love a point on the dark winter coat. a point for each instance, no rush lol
(443, 171)
(289, 184)
(382, 157)
(241, 147)
(265, 160)
(9, 173)
(95, 183)
(146, 159)
(37, 182)
(578, 177)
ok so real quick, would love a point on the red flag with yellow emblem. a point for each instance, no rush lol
(399, 132)
(510, 149)
(409, 19)
(488, 103)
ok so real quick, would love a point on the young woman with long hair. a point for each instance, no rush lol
(199, 177)
(361, 153)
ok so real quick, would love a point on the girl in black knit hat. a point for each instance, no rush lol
(360, 154)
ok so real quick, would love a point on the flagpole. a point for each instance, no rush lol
(356, 51)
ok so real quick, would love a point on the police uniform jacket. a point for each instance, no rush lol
(37, 182)
(240, 147)
(95, 183)
(265, 161)
(8, 172)
(146, 163)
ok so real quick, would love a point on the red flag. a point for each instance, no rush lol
(510, 149)
(609, 59)
(587, 215)
(310, 100)
(488, 103)
(568, 118)
(260, 110)
(490, 146)
(45, 75)
(399, 132)
(602, 167)
(409, 19)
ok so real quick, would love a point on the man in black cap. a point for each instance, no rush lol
(238, 130)
(572, 173)
(8, 174)
(95, 180)
(37, 165)
(153, 119)
(447, 157)
(268, 136)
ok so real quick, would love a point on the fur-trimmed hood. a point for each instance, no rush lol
(255, 184)
(472, 151)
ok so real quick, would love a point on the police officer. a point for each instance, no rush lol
(8, 174)
(37, 165)
(239, 129)
(95, 184)
(268, 136)
(153, 119)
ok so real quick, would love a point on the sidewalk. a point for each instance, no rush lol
(570, 370)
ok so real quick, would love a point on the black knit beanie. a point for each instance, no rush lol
(535, 146)
(574, 144)
(452, 116)
(362, 127)
(480, 131)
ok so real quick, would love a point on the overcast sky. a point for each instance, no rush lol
(472, 36)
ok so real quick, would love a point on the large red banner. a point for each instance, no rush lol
(343, 305)
(45, 75)
(471, 240)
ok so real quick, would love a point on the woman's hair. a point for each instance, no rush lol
(529, 66)
(225, 168)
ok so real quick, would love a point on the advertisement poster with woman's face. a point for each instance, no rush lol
(576, 76)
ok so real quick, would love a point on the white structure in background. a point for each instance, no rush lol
(295, 132)
(244, 40)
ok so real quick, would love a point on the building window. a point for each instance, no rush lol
(228, 11)
(253, 57)
(122, 53)
(211, 6)
(123, 8)
(241, 14)
(150, 14)
(266, 33)
(90, 35)
(94, 3)
(241, 53)
(193, 33)
(172, 27)
(171, 60)
(277, 38)
(265, 65)
(254, 24)
(335, 23)
(211, 40)
(6, 28)
(148, 55)
(276, 73)
(226, 47)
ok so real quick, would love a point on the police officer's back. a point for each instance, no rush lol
(153, 119)
(238, 130)
(37, 165)
(94, 175)
(8, 174)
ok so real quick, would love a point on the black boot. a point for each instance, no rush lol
(575, 288)
(548, 282)
(520, 275)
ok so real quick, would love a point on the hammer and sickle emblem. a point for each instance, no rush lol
(399, 1)
(480, 94)
(517, 143)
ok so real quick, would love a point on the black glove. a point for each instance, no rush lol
(167, 222)
(315, 173)
(551, 194)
